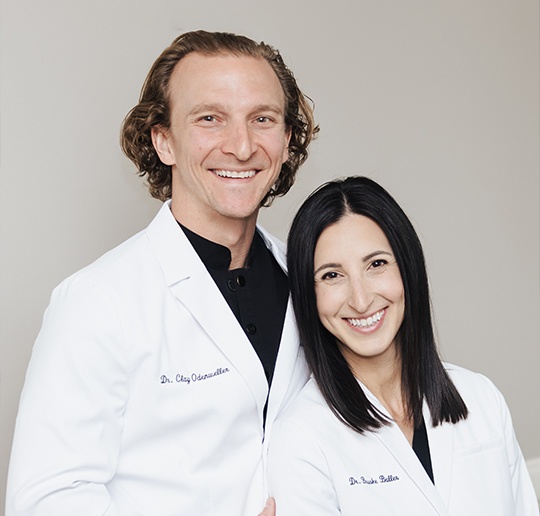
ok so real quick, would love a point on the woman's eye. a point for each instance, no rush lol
(378, 263)
(329, 275)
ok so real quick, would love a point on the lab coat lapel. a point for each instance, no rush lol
(285, 364)
(395, 442)
(200, 295)
(441, 446)
(192, 285)
(284, 372)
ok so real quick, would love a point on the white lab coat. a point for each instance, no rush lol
(143, 395)
(318, 466)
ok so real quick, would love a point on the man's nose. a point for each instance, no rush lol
(239, 141)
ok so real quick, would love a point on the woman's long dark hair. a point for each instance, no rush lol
(423, 375)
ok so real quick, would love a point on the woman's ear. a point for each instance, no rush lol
(160, 140)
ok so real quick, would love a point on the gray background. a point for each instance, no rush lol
(436, 100)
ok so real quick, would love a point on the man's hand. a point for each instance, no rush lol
(269, 508)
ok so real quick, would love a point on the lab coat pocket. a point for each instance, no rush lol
(481, 479)
(479, 447)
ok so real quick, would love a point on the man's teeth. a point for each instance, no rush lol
(234, 174)
(369, 321)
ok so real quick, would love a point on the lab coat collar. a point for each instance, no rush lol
(190, 282)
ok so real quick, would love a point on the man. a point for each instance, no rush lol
(160, 368)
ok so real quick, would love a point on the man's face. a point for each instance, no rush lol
(227, 139)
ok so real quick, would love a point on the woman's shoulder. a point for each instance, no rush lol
(461, 375)
(308, 409)
(474, 387)
(307, 434)
(309, 399)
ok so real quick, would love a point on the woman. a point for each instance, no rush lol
(383, 427)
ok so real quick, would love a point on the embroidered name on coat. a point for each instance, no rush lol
(382, 479)
(193, 377)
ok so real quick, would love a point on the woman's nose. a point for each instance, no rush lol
(360, 295)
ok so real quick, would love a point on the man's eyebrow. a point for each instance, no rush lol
(198, 108)
(218, 107)
(275, 108)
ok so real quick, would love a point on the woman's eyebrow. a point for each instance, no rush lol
(366, 258)
(327, 266)
(375, 253)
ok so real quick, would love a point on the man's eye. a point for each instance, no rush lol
(208, 118)
(262, 119)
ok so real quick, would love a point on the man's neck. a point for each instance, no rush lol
(235, 234)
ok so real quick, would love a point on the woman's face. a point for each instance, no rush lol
(360, 297)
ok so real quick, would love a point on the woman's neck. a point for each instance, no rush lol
(384, 382)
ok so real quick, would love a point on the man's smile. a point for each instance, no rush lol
(242, 174)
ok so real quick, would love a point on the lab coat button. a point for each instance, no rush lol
(241, 281)
(231, 285)
(251, 329)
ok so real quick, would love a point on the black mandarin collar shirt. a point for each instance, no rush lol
(421, 448)
(257, 294)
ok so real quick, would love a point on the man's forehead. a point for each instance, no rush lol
(212, 63)
(200, 73)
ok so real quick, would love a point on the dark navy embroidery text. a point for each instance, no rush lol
(193, 377)
(367, 481)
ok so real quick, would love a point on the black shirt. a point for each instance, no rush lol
(257, 294)
(421, 448)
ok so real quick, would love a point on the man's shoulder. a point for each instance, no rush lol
(129, 259)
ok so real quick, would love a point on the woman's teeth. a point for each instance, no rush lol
(363, 323)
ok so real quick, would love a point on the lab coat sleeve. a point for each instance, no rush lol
(70, 417)
(298, 473)
(525, 501)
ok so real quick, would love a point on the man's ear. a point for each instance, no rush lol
(160, 140)
(286, 150)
